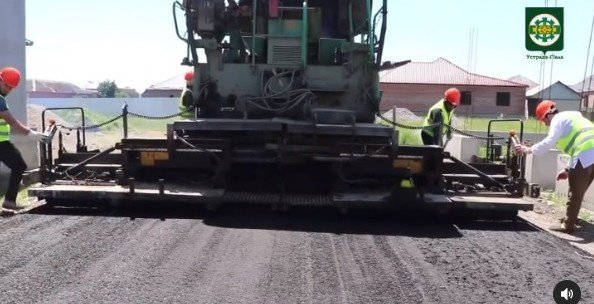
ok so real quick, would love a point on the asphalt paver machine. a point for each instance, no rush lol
(286, 97)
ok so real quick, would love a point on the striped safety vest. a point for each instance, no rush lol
(447, 117)
(581, 137)
(4, 128)
(187, 114)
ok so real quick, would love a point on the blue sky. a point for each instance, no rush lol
(133, 41)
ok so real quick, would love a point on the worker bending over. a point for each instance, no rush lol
(574, 135)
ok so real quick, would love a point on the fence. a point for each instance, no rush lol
(113, 106)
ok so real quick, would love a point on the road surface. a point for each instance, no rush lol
(255, 256)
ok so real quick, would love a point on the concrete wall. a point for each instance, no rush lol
(419, 97)
(12, 50)
(12, 53)
(113, 106)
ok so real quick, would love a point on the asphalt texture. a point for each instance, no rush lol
(253, 255)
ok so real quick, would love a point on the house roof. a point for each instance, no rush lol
(587, 84)
(523, 80)
(440, 71)
(54, 86)
(176, 82)
(554, 91)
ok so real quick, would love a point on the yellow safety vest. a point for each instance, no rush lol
(4, 128)
(580, 139)
(447, 117)
(187, 114)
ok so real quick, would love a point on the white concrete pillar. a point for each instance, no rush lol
(463, 147)
(13, 53)
(542, 169)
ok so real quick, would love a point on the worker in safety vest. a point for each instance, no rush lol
(9, 154)
(186, 100)
(574, 135)
(441, 112)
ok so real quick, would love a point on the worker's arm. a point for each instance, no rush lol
(15, 125)
(559, 128)
(448, 131)
(437, 119)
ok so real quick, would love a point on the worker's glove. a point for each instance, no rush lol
(563, 174)
(521, 150)
(38, 136)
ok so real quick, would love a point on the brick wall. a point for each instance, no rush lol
(419, 97)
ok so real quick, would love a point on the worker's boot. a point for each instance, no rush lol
(563, 227)
(11, 205)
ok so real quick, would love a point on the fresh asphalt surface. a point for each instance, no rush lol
(253, 255)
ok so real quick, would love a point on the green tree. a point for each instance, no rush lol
(107, 89)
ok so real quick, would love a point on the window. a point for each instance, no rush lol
(466, 98)
(503, 99)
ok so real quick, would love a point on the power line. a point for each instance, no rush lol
(587, 58)
(470, 52)
(551, 71)
(475, 50)
(591, 76)
(551, 78)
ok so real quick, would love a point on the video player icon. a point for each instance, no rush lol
(567, 292)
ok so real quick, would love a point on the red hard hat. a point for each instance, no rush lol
(189, 76)
(543, 108)
(10, 76)
(453, 96)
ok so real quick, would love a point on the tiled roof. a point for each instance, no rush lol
(53, 86)
(440, 71)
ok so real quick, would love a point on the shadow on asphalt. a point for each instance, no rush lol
(306, 219)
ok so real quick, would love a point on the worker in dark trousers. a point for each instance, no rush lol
(9, 154)
(186, 100)
(573, 134)
(439, 118)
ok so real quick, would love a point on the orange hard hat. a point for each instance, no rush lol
(189, 76)
(543, 108)
(10, 76)
(453, 95)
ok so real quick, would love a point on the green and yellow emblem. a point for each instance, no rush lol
(544, 29)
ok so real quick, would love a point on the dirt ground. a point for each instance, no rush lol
(547, 213)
